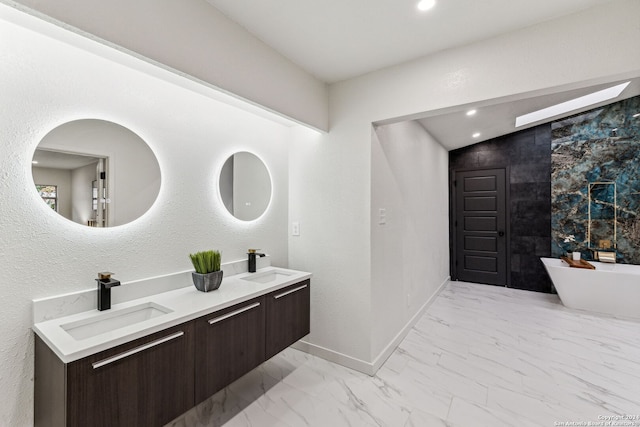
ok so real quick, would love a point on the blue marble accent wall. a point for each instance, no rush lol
(599, 145)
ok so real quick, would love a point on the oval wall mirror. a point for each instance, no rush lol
(96, 173)
(245, 186)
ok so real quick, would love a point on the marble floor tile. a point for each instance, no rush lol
(463, 413)
(480, 356)
(419, 418)
(415, 392)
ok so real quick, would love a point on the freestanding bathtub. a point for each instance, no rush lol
(610, 288)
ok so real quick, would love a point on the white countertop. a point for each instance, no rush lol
(186, 304)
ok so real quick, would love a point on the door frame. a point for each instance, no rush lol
(452, 217)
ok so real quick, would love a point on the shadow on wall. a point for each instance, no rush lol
(600, 145)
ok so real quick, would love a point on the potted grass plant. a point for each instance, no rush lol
(208, 275)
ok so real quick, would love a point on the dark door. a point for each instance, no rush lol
(480, 226)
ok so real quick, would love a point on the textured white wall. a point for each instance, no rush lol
(44, 83)
(410, 252)
(195, 38)
(330, 175)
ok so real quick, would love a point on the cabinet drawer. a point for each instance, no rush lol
(287, 316)
(229, 344)
(147, 382)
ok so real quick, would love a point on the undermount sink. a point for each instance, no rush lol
(268, 276)
(112, 320)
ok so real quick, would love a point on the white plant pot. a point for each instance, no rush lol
(576, 256)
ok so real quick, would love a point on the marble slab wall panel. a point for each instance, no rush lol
(599, 145)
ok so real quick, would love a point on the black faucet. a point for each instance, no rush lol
(105, 283)
(252, 259)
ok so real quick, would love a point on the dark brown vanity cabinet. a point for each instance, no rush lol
(229, 344)
(287, 317)
(152, 380)
(147, 382)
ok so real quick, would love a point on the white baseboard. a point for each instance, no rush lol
(369, 368)
(335, 357)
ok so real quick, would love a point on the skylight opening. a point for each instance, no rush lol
(571, 105)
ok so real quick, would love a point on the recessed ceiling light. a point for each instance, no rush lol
(476, 135)
(426, 4)
(35, 162)
(471, 112)
(571, 105)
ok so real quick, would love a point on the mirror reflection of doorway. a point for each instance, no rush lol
(74, 185)
(99, 202)
(130, 172)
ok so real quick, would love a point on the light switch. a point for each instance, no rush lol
(382, 216)
(295, 228)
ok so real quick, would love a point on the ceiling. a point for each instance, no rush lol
(454, 129)
(336, 39)
(61, 160)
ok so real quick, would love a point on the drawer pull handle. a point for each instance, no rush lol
(133, 351)
(299, 288)
(233, 313)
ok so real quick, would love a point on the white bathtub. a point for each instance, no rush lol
(610, 288)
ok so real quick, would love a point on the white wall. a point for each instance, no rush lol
(410, 251)
(45, 83)
(330, 175)
(60, 178)
(330, 199)
(193, 37)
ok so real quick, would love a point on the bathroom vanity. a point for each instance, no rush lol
(199, 344)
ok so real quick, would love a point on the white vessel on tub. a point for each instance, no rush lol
(610, 288)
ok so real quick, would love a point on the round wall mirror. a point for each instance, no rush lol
(245, 186)
(96, 173)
